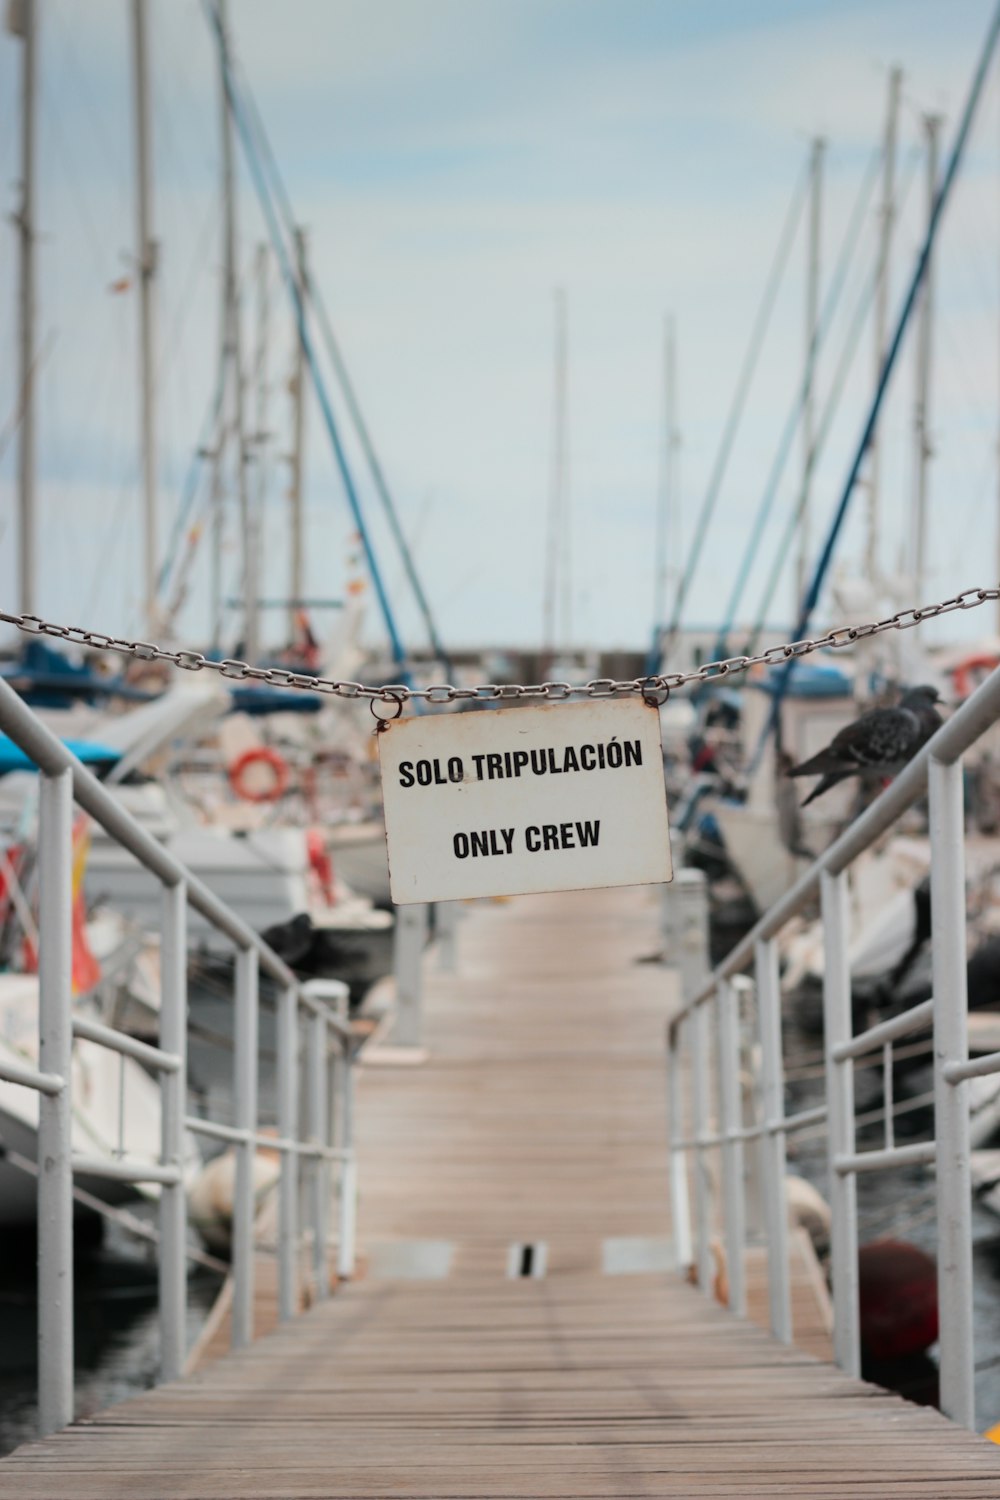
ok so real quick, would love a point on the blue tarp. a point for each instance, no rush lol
(47, 679)
(13, 758)
(812, 679)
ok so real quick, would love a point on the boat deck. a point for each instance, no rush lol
(537, 1120)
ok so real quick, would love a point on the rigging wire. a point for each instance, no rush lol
(852, 238)
(888, 365)
(735, 414)
(843, 370)
(314, 300)
(186, 519)
(284, 259)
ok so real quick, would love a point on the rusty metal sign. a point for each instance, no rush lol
(556, 797)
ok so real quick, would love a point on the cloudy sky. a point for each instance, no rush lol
(454, 162)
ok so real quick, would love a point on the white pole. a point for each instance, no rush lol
(245, 1119)
(55, 1170)
(731, 1124)
(27, 582)
(838, 1029)
(408, 953)
(932, 127)
(218, 529)
(233, 352)
(146, 257)
(349, 1167)
(173, 1089)
(888, 213)
(666, 534)
(812, 333)
(700, 1128)
(297, 571)
(773, 1140)
(680, 1201)
(951, 1100)
(318, 1125)
(255, 551)
(288, 1129)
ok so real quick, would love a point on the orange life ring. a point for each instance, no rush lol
(963, 670)
(262, 755)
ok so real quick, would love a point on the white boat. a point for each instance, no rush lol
(360, 859)
(116, 1111)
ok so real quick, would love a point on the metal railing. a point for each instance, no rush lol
(936, 771)
(316, 1008)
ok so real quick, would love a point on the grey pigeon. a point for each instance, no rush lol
(881, 740)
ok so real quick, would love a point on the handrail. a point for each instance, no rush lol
(325, 1042)
(128, 1046)
(917, 1018)
(938, 769)
(964, 727)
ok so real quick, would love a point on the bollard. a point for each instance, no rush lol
(411, 935)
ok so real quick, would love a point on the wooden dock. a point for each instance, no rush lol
(532, 1139)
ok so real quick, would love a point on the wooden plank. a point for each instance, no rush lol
(539, 1116)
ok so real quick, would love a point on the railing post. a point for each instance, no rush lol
(951, 1105)
(745, 995)
(731, 1123)
(245, 1118)
(349, 1166)
(288, 1129)
(55, 1171)
(773, 1141)
(410, 938)
(318, 1129)
(701, 1123)
(680, 1204)
(838, 1028)
(173, 1095)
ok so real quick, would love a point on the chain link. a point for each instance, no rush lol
(495, 692)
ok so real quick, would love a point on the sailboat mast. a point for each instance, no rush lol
(812, 334)
(932, 129)
(667, 537)
(233, 349)
(27, 598)
(556, 552)
(261, 436)
(146, 257)
(296, 582)
(887, 218)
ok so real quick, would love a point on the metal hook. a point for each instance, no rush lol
(384, 720)
(655, 691)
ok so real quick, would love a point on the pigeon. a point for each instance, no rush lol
(881, 740)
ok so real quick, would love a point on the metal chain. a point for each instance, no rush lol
(493, 692)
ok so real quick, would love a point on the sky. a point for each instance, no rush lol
(454, 162)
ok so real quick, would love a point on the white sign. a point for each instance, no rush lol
(556, 797)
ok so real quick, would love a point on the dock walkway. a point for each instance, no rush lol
(531, 1140)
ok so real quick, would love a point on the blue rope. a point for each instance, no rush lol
(291, 283)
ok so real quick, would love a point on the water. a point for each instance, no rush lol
(115, 1282)
(115, 1327)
